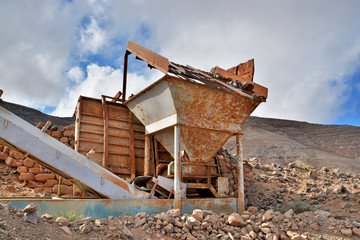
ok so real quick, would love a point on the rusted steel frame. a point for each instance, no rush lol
(132, 144)
(127, 53)
(261, 90)
(207, 78)
(171, 193)
(59, 187)
(147, 155)
(246, 69)
(199, 163)
(153, 189)
(116, 97)
(152, 58)
(105, 162)
(208, 176)
(213, 191)
(218, 167)
(197, 185)
(156, 153)
(239, 152)
(177, 168)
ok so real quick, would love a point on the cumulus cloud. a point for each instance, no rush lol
(92, 37)
(304, 52)
(36, 40)
(76, 75)
(100, 80)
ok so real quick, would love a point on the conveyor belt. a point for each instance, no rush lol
(62, 160)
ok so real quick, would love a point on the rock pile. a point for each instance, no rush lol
(201, 224)
(37, 177)
(229, 169)
(276, 186)
(66, 135)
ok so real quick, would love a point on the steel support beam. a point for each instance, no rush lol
(239, 152)
(147, 155)
(177, 168)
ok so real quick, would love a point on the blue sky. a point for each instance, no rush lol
(307, 53)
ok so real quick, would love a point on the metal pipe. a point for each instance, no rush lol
(147, 156)
(127, 53)
(241, 200)
(177, 168)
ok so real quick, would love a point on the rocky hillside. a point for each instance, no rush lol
(283, 141)
(34, 116)
(288, 202)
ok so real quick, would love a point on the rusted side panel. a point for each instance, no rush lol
(245, 70)
(201, 106)
(253, 88)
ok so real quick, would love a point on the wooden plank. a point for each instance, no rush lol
(118, 119)
(119, 170)
(91, 123)
(92, 106)
(132, 145)
(91, 115)
(115, 148)
(90, 140)
(92, 119)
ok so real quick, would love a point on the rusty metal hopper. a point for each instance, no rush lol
(208, 117)
(192, 113)
(209, 107)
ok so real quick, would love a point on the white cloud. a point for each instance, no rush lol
(76, 75)
(100, 80)
(36, 40)
(303, 51)
(92, 38)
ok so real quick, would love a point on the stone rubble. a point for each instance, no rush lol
(34, 175)
(201, 224)
(299, 207)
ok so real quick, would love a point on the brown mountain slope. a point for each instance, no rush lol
(284, 141)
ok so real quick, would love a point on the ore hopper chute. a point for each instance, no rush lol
(192, 113)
